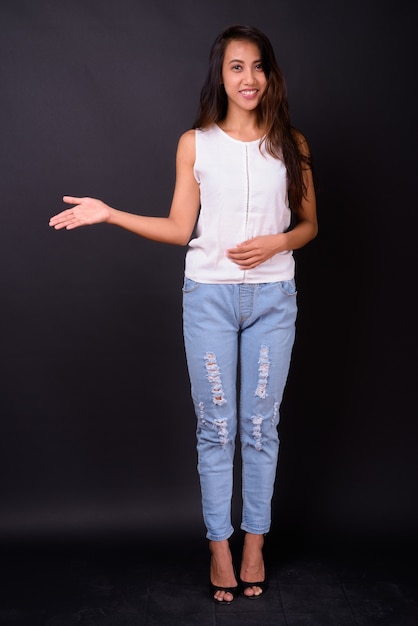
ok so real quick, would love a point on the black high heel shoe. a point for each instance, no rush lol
(234, 591)
(245, 585)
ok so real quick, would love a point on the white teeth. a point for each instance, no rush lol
(249, 92)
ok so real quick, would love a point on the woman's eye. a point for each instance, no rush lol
(236, 67)
(259, 67)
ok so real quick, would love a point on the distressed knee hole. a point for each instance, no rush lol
(275, 418)
(257, 421)
(222, 426)
(201, 413)
(263, 372)
(214, 377)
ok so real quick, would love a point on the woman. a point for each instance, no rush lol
(241, 172)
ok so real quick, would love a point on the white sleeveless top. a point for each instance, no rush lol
(243, 193)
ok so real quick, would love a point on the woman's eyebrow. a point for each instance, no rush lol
(239, 61)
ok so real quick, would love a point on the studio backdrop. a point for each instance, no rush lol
(97, 426)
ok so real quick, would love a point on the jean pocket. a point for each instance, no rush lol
(288, 287)
(189, 285)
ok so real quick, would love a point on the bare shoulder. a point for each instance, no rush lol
(186, 149)
(301, 141)
(189, 135)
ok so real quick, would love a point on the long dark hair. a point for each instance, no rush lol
(281, 139)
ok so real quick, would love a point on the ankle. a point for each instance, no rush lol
(253, 541)
(219, 547)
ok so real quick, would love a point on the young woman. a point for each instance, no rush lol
(241, 172)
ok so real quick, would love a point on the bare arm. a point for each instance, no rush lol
(175, 229)
(253, 252)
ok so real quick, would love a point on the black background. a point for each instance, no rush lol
(97, 427)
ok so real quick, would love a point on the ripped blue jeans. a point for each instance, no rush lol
(238, 341)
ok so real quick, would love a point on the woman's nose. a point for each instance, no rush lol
(249, 77)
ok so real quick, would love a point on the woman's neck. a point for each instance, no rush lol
(243, 127)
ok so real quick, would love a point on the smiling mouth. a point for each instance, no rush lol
(249, 92)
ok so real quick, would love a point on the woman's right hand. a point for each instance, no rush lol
(86, 211)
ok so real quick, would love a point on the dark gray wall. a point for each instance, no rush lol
(97, 428)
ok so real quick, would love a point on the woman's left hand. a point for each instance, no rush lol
(253, 252)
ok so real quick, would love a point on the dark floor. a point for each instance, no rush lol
(165, 585)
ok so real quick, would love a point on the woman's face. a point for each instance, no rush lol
(243, 75)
